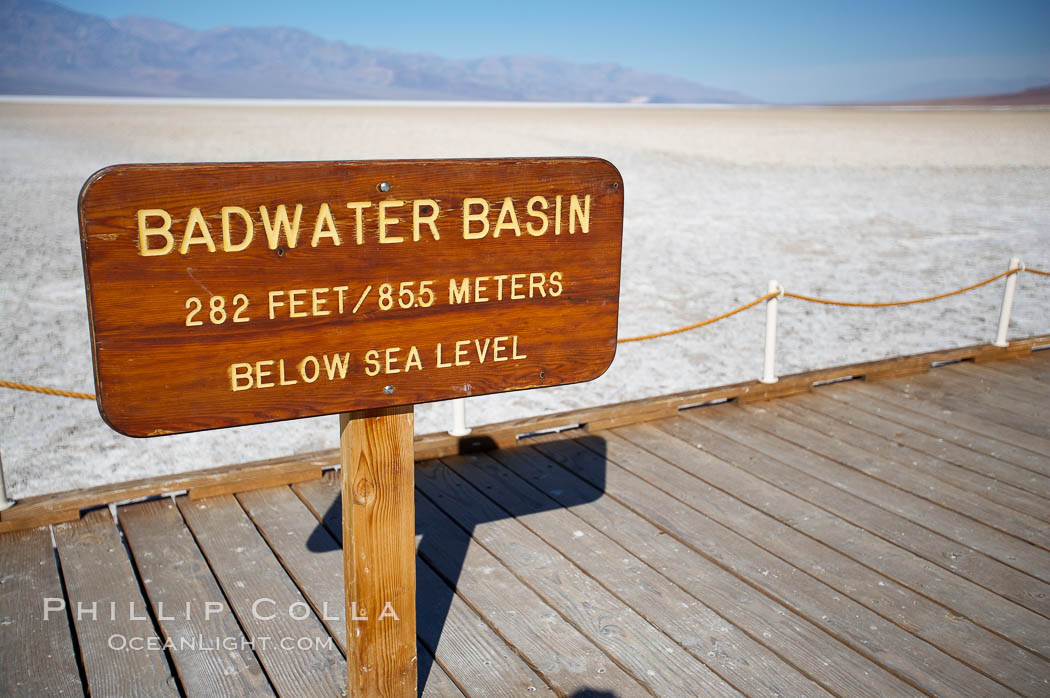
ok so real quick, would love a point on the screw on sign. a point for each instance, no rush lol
(228, 294)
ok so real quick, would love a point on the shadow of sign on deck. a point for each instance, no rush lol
(467, 508)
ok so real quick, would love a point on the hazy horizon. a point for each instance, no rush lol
(809, 52)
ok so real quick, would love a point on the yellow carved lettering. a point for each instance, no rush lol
(391, 357)
(515, 286)
(556, 283)
(557, 215)
(280, 372)
(582, 214)
(240, 377)
(439, 363)
(194, 223)
(309, 376)
(341, 290)
(249, 229)
(497, 347)
(146, 232)
(324, 227)
(482, 349)
(413, 360)
(318, 303)
(530, 226)
(280, 222)
(358, 207)
(418, 219)
(294, 302)
(337, 364)
(469, 217)
(508, 219)
(260, 374)
(459, 293)
(372, 359)
(274, 303)
(479, 288)
(385, 220)
(514, 350)
(461, 352)
(536, 281)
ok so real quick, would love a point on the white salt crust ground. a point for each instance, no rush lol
(849, 204)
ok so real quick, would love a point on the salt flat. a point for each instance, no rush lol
(854, 204)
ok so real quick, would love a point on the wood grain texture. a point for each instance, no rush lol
(379, 552)
(861, 429)
(952, 426)
(750, 667)
(835, 440)
(558, 652)
(627, 637)
(99, 577)
(155, 374)
(908, 608)
(179, 583)
(712, 531)
(36, 653)
(448, 628)
(265, 600)
(923, 532)
(877, 417)
(307, 552)
(566, 472)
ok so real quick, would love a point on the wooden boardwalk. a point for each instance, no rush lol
(860, 539)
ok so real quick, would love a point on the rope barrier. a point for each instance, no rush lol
(654, 335)
(45, 391)
(694, 326)
(887, 304)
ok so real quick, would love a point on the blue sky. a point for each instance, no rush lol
(777, 51)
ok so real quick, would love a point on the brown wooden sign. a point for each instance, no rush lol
(230, 294)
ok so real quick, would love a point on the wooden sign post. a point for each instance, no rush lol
(228, 294)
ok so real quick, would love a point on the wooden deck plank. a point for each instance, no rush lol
(265, 599)
(865, 430)
(770, 460)
(1019, 448)
(822, 657)
(627, 637)
(560, 653)
(764, 429)
(179, 583)
(305, 549)
(955, 381)
(1035, 367)
(36, 644)
(749, 666)
(437, 683)
(996, 413)
(941, 619)
(450, 630)
(939, 482)
(465, 644)
(985, 376)
(761, 547)
(100, 581)
(868, 414)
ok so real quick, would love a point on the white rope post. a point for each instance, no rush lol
(769, 371)
(1008, 304)
(5, 503)
(459, 418)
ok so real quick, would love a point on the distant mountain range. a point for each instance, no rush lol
(46, 49)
